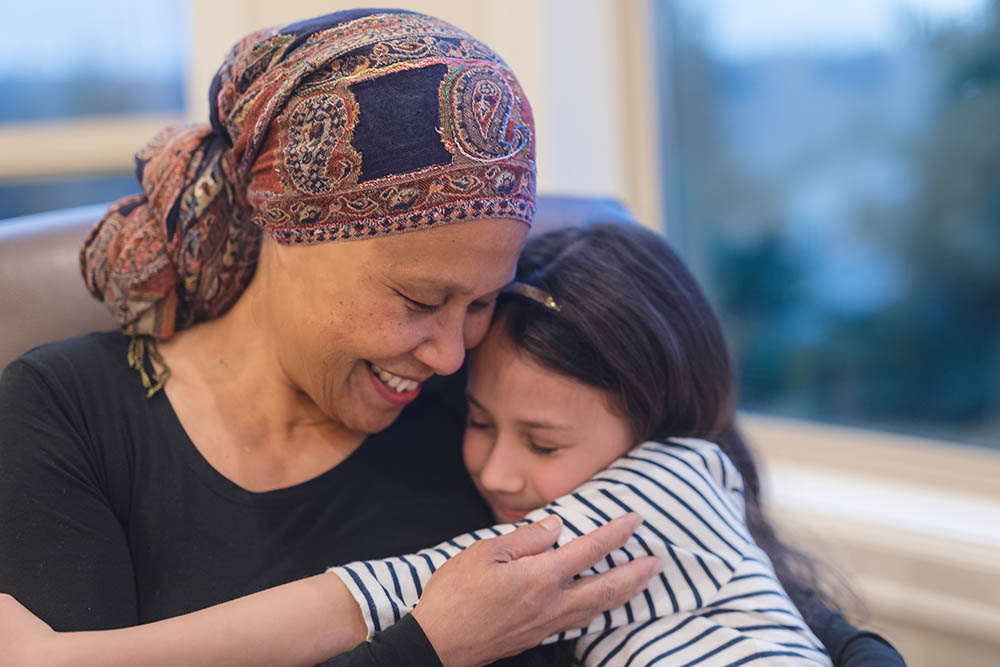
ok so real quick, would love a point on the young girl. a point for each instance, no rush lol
(599, 391)
(603, 342)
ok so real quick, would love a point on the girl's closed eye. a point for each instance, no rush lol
(472, 422)
(543, 450)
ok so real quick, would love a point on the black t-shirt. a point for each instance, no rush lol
(109, 515)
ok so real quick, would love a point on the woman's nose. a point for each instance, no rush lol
(444, 350)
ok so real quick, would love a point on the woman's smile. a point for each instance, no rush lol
(395, 389)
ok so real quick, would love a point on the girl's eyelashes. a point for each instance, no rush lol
(543, 451)
(472, 423)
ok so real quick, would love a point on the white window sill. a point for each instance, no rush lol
(913, 524)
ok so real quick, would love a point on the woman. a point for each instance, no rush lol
(291, 419)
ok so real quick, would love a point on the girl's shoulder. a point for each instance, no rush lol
(692, 461)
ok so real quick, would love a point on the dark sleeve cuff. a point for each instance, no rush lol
(867, 648)
(401, 644)
(847, 645)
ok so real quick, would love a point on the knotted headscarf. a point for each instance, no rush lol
(353, 125)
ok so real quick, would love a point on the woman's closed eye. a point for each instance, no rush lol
(419, 306)
(481, 305)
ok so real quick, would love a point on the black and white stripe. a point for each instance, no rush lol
(717, 601)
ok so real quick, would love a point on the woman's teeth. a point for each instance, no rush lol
(394, 382)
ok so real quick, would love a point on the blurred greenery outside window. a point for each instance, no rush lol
(832, 174)
(63, 60)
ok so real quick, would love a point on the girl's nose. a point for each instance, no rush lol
(501, 473)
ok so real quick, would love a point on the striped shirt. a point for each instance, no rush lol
(717, 601)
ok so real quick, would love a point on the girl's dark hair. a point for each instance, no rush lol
(634, 323)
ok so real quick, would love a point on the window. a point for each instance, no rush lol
(73, 72)
(833, 178)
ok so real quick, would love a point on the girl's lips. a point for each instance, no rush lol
(507, 514)
(391, 395)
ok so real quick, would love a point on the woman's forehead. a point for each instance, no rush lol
(468, 259)
(453, 256)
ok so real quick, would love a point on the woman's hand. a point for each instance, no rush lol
(25, 640)
(502, 596)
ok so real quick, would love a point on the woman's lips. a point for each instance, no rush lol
(389, 394)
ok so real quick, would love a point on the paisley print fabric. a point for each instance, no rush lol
(347, 126)
(481, 104)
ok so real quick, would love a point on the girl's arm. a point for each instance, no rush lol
(691, 503)
(717, 596)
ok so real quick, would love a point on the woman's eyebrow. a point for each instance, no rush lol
(447, 287)
(438, 284)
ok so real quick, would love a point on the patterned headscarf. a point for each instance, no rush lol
(353, 125)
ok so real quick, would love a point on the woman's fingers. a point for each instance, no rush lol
(526, 540)
(515, 593)
(584, 552)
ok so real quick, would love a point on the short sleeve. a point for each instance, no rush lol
(65, 554)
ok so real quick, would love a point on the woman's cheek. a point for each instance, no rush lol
(476, 326)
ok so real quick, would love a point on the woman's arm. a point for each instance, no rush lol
(511, 595)
(300, 623)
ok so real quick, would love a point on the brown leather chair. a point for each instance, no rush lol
(42, 296)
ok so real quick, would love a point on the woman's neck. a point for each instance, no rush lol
(242, 410)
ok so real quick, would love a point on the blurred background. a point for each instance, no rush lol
(830, 169)
(836, 178)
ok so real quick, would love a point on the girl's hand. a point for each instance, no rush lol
(25, 640)
(505, 595)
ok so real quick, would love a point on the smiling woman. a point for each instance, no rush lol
(322, 319)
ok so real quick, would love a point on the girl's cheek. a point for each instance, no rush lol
(554, 479)
(474, 450)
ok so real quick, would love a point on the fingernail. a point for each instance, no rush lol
(550, 523)
(656, 568)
